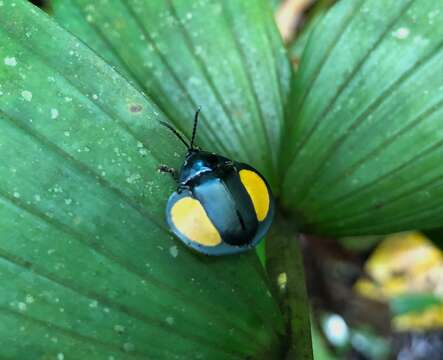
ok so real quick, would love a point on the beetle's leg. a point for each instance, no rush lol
(183, 187)
(169, 170)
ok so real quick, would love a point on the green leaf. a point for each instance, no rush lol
(407, 303)
(88, 268)
(363, 152)
(184, 54)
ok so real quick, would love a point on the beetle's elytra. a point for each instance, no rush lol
(220, 206)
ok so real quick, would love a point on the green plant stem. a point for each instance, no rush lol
(284, 263)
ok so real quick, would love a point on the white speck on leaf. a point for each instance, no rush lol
(432, 15)
(10, 61)
(128, 347)
(57, 189)
(198, 50)
(119, 328)
(27, 95)
(173, 250)
(54, 114)
(16, 194)
(170, 320)
(22, 306)
(29, 299)
(401, 33)
(60, 356)
(133, 178)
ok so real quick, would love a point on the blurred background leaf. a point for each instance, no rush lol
(406, 271)
(403, 263)
(415, 303)
(88, 268)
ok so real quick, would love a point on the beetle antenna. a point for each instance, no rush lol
(176, 133)
(194, 130)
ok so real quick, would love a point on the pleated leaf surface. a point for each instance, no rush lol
(363, 151)
(88, 267)
(225, 56)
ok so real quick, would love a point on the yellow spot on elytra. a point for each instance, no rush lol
(258, 192)
(190, 218)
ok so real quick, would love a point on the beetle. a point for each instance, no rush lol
(220, 206)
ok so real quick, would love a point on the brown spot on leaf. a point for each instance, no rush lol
(135, 108)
